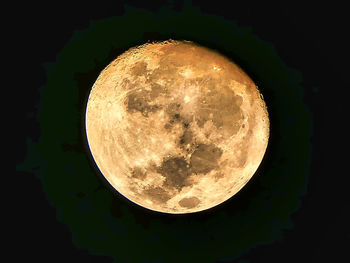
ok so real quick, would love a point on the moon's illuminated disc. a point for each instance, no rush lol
(176, 127)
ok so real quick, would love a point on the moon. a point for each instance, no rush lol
(176, 127)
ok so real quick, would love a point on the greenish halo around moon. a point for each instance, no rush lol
(176, 127)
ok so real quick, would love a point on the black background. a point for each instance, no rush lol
(310, 37)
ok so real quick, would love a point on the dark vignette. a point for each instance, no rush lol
(105, 222)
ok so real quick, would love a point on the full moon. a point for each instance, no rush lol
(176, 127)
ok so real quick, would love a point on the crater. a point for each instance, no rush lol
(218, 176)
(205, 158)
(138, 173)
(189, 202)
(175, 171)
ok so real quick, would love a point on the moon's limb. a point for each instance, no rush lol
(176, 127)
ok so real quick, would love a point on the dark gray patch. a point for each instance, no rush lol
(189, 202)
(186, 138)
(224, 106)
(168, 126)
(138, 173)
(156, 90)
(204, 158)
(140, 101)
(175, 171)
(137, 102)
(157, 195)
(139, 69)
(173, 111)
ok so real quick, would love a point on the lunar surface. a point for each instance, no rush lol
(176, 127)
